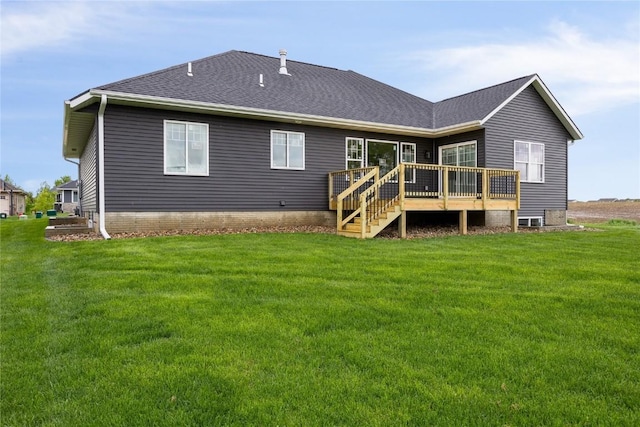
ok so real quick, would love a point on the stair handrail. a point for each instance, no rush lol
(374, 174)
(373, 190)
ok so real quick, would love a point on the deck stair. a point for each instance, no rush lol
(375, 226)
(370, 203)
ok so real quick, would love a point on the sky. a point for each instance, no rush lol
(587, 53)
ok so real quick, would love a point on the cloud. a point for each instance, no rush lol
(586, 75)
(39, 25)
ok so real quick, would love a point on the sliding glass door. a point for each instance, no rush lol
(462, 154)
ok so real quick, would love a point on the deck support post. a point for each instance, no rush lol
(402, 225)
(462, 222)
(514, 221)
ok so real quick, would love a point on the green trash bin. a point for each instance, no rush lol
(38, 214)
(52, 212)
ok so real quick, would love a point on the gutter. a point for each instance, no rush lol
(101, 204)
(263, 114)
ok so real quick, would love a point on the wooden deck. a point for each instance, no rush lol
(366, 203)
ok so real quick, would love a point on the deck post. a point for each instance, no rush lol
(485, 188)
(339, 215)
(363, 216)
(518, 189)
(445, 187)
(462, 222)
(401, 185)
(514, 221)
(402, 225)
(330, 189)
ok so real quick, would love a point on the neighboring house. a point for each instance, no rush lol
(67, 197)
(13, 200)
(243, 140)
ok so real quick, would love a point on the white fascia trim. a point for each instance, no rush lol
(81, 100)
(544, 92)
(555, 106)
(257, 113)
(65, 127)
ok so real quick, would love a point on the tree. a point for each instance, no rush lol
(30, 201)
(62, 180)
(45, 197)
(8, 180)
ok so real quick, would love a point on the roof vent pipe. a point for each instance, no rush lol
(283, 62)
(189, 70)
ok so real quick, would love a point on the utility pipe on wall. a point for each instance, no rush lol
(101, 208)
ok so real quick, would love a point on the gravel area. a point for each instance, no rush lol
(390, 233)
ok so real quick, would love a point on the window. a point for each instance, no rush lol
(529, 160)
(287, 150)
(408, 153)
(59, 198)
(74, 197)
(186, 148)
(355, 153)
(535, 221)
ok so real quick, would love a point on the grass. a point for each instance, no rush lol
(311, 329)
(623, 222)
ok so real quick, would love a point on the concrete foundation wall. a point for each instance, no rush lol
(555, 217)
(127, 222)
(497, 218)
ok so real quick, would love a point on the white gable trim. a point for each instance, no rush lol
(551, 101)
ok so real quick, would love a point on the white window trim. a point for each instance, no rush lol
(186, 172)
(304, 149)
(529, 143)
(456, 145)
(415, 159)
(364, 161)
(346, 152)
(529, 219)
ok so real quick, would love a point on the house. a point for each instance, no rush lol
(67, 197)
(13, 200)
(243, 140)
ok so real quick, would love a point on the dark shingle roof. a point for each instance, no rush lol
(5, 186)
(232, 78)
(475, 105)
(68, 185)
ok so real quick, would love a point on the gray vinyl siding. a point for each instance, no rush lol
(240, 175)
(528, 118)
(477, 136)
(88, 174)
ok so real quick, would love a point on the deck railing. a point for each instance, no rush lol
(361, 193)
(426, 180)
(380, 196)
(345, 188)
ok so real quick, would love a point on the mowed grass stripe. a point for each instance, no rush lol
(310, 329)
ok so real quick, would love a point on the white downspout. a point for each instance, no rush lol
(103, 106)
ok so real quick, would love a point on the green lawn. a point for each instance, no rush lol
(311, 329)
